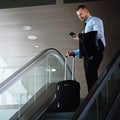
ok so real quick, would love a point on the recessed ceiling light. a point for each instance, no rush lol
(37, 46)
(27, 27)
(32, 37)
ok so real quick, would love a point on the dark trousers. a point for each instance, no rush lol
(91, 66)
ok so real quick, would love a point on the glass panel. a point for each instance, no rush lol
(10, 65)
(47, 70)
(5, 72)
(106, 97)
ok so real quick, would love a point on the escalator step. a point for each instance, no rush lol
(57, 119)
(59, 116)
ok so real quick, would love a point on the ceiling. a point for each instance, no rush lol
(50, 21)
(25, 3)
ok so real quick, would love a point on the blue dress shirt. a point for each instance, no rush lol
(93, 24)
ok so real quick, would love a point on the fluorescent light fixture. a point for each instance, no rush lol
(53, 70)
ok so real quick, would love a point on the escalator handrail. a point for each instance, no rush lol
(83, 109)
(13, 78)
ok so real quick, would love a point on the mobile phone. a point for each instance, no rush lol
(72, 34)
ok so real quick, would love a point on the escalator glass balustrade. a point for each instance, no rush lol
(106, 98)
(46, 68)
(102, 99)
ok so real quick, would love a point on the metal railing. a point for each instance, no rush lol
(99, 100)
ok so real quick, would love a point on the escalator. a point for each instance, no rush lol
(103, 100)
(29, 93)
(31, 88)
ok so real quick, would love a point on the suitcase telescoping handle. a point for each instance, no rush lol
(73, 68)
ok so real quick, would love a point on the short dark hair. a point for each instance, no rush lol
(82, 7)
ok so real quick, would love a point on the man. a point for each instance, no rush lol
(91, 63)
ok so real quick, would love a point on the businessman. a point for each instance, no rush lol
(91, 61)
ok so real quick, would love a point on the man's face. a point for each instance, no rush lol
(82, 14)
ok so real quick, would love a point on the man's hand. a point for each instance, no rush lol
(75, 37)
(69, 53)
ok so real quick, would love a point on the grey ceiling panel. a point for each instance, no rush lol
(78, 1)
(24, 3)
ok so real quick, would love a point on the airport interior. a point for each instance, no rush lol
(34, 39)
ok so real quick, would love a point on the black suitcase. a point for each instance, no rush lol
(67, 97)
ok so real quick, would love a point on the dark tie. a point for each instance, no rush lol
(84, 27)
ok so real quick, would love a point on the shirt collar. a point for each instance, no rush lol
(86, 21)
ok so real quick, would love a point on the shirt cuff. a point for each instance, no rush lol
(77, 53)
